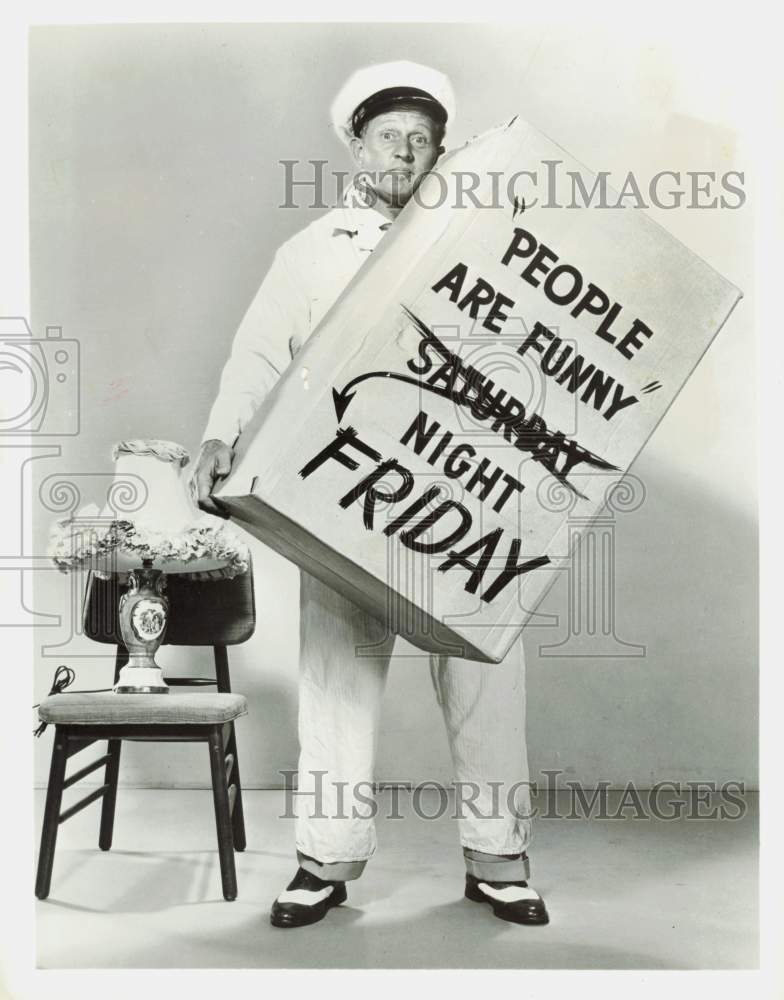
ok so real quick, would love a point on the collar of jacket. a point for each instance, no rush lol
(361, 222)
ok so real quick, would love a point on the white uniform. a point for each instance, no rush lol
(339, 691)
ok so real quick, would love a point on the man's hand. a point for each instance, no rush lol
(213, 463)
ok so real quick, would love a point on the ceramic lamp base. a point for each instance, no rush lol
(137, 679)
(143, 614)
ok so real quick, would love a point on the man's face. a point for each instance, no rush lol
(396, 149)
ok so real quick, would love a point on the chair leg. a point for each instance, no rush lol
(110, 799)
(220, 795)
(238, 815)
(54, 797)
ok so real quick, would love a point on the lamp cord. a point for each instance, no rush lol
(64, 678)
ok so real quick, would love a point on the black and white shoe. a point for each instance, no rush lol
(513, 901)
(306, 900)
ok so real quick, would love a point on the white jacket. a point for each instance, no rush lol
(307, 275)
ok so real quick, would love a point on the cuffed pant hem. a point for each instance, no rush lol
(331, 871)
(497, 867)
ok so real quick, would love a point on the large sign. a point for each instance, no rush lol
(489, 358)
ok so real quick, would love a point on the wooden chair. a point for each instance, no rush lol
(215, 613)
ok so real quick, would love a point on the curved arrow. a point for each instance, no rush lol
(343, 398)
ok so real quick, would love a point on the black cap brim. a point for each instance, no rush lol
(397, 98)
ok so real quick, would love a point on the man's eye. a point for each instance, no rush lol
(421, 140)
(387, 135)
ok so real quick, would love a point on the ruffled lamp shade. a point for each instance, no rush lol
(168, 534)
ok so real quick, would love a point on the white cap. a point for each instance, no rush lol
(405, 81)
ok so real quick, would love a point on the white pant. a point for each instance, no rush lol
(339, 707)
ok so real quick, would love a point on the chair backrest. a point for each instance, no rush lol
(202, 612)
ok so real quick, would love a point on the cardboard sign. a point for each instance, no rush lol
(493, 370)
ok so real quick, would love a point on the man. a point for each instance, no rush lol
(393, 118)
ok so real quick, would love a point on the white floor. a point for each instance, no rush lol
(622, 894)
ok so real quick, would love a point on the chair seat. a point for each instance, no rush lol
(152, 709)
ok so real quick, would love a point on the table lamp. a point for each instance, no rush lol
(168, 534)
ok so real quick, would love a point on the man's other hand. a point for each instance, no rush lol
(213, 463)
